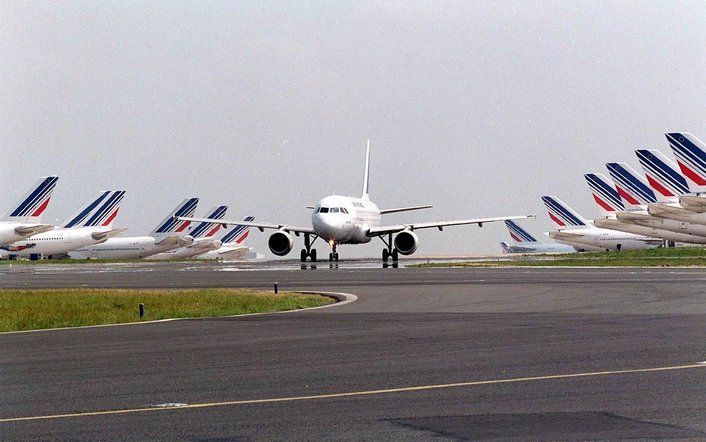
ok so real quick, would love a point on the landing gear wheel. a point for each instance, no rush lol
(303, 255)
(335, 256)
(385, 255)
(395, 255)
(330, 257)
(312, 254)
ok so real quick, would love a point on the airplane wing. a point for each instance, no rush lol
(403, 209)
(259, 225)
(384, 230)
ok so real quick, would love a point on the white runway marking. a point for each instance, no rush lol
(355, 393)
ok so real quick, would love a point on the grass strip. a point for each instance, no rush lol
(53, 308)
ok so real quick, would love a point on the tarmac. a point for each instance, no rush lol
(422, 354)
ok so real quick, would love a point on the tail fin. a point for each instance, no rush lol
(518, 233)
(170, 225)
(105, 215)
(366, 176)
(662, 174)
(691, 157)
(207, 230)
(239, 233)
(563, 215)
(506, 248)
(83, 213)
(631, 187)
(604, 193)
(31, 207)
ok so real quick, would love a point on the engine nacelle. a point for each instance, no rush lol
(406, 242)
(280, 243)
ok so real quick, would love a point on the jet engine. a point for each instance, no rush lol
(280, 243)
(406, 242)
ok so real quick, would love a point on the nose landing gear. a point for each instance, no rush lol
(333, 256)
(307, 251)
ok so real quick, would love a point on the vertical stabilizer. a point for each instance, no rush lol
(366, 176)
(239, 233)
(604, 193)
(170, 225)
(207, 230)
(31, 207)
(78, 217)
(105, 215)
(632, 188)
(662, 175)
(518, 233)
(562, 215)
(690, 153)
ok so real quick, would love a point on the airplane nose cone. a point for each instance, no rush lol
(332, 228)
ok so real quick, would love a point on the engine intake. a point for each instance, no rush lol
(280, 243)
(406, 242)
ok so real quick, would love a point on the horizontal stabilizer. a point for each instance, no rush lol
(112, 233)
(693, 203)
(33, 230)
(176, 241)
(206, 245)
(404, 209)
(670, 212)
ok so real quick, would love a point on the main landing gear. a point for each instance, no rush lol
(307, 251)
(389, 252)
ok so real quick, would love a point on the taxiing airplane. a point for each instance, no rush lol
(168, 235)
(203, 237)
(526, 243)
(91, 224)
(231, 248)
(573, 229)
(25, 218)
(348, 220)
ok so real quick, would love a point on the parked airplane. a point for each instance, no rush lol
(25, 218)
(91, 224)
(659, 167)
(348, 220)
(168, 235)
(610, 203)
(232, 248)
(574, 229)
(203, 237)
(526, 243)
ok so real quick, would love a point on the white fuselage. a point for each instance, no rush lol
(604, 239)
(540, 247)
(199, 246)
(227, 252)
(123, 248)
(344, 220)
(56, 242)
(8, 231)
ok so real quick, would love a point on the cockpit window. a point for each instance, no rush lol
(344, 210)
(323, 210)
(334, 210)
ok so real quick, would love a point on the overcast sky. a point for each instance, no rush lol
(476, 107)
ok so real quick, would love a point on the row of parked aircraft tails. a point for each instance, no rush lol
(665, 205)
(89, 232)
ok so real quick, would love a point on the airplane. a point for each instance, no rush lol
(91, 224)
(231, 248)
(526, 243)
(610, 203)
(340, 220)
(25, 218)
(203, 237)
(168, 235)
(572, 228)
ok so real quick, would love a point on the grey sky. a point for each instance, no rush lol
(476, 107)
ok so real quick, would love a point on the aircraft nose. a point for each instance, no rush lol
(332, 227)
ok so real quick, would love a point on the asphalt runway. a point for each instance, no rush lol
(457, 354)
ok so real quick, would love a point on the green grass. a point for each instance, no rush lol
(659, 257)
(52, 308)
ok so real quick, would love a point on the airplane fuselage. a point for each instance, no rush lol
(134, 247)
(344, 220)
(57, 242)
(604, 239)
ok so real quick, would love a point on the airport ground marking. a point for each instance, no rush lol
(359, 393)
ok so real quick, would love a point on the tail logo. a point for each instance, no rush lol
(38, 200)
(690, 157)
